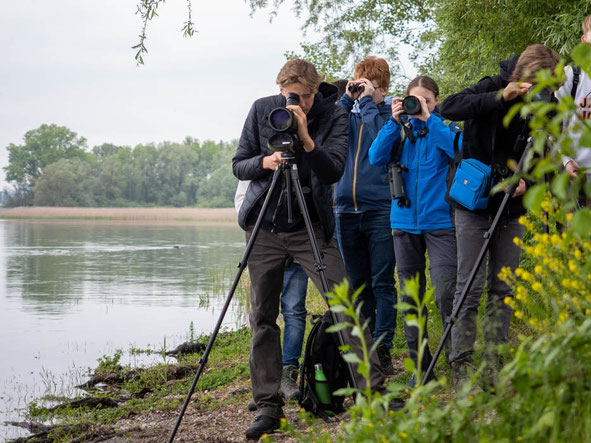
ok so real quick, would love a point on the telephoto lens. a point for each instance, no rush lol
(411, 105)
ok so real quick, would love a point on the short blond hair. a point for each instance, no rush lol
(299, 71)
(587, 25)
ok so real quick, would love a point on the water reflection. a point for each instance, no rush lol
(71, 292)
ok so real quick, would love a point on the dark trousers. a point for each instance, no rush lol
(365, 241)
(266, 267)
(470, 229)
(410, 254)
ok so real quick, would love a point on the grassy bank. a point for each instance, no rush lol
(156, 215)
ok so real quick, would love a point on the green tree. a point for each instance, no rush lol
(43, 146)
(68, 182)
(456, 41)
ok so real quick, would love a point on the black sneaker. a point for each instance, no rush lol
(262, 425)
(396, 404)
(385, 360)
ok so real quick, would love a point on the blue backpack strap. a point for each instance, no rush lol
(458, 130)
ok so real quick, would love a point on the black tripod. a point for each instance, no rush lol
(487, 237)
(289, 169)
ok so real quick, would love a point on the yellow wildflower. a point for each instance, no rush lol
(537, 286)
(572, 265)
(538, 269)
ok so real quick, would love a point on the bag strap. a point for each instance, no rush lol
(397, 147)
(308, 353)
(576, 76)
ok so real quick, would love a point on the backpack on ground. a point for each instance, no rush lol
(317, 383)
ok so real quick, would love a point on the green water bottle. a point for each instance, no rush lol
(321, 385)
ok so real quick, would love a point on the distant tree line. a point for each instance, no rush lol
(55, 168)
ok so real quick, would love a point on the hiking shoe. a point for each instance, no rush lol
(252, 406)
(462, 372)
(289, 387)
(396, 404)
(262, 425)
(385, 360)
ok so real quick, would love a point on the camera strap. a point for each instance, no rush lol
(576, 76)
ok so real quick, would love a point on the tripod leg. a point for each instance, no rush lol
(319, 263)
(241, 267)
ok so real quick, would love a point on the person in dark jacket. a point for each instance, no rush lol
(424, 224)
(362, 205)
(483, 107)
(322, 129)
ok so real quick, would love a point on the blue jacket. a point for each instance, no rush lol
(363, 187)
(427, 160)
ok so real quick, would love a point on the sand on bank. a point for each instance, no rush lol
(199, 215)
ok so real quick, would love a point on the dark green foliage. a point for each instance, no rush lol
(455, 41)
(53, 169)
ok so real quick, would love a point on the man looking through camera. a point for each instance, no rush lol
(322, 130)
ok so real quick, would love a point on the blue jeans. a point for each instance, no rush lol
(293, 309)
(365, 242)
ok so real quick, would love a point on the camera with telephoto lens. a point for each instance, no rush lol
(411, 105)
(396, 184)
(285, 125)
(356, 87)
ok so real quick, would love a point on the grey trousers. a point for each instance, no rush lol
(265, 266)
(470, 229)
(410, 254)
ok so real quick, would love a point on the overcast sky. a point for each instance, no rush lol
(70, 62)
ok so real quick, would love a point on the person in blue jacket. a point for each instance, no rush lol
(362, 205)
(423, 222)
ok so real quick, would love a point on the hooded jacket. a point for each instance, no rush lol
(485, 137)
(318, 169)
(363, 187)
(427, 160)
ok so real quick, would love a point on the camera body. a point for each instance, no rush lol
(356, 87)
(411, 105)
(285, 125)
(397, 185)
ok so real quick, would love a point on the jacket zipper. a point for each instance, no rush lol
(355, 166)
(417, 187)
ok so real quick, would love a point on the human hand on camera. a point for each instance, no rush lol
(397, 109)
(302, 121)
(425, 114)
(572, 167)
(515, 89)
(272, 161)
(520, 189)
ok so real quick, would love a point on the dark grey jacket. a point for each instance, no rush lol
(327, 125)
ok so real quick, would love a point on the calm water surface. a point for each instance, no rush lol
(71, 292)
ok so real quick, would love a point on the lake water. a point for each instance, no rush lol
(71, 292)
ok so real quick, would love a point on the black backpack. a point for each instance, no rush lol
(322, 347)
